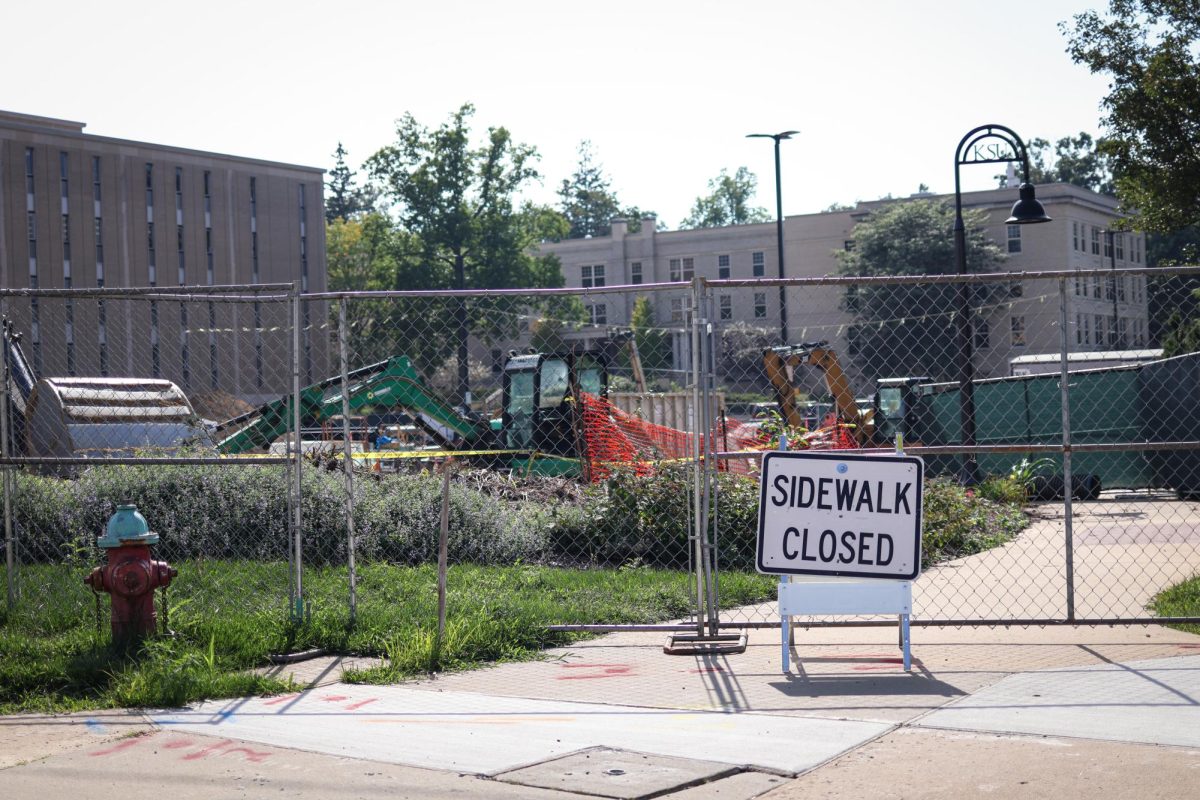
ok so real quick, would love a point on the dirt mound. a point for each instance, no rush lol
(218, 405)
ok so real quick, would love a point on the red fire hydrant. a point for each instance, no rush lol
(131, 575)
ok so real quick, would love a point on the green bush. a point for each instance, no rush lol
(243, 512)
(222, 512)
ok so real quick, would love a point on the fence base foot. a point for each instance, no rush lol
(688, 644)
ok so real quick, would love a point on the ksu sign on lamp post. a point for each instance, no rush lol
(850, 526)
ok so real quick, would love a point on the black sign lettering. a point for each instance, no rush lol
(828, 537)
(791, 554)
(847, 554)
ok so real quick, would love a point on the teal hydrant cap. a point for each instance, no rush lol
(126, 526)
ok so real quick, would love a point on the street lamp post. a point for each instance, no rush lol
(987, 144)
(778, 137)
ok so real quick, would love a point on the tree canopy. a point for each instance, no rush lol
(727, 202)
(456, 202)
(587, 199)
(1149, 49)
(344, 199)
(589, 203)
(1077, 160)
(909, 330)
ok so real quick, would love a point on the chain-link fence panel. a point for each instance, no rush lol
(564, 419)
(969, 374)
(144, 398)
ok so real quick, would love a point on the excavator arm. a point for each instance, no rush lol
(393, 383)
(780, 364)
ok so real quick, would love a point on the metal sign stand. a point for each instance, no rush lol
(815, 595)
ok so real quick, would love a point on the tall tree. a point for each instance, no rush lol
(459, 203)
(1149, 49)
(727, 202)
(587, 199)
(909, 329)
(344, 199)
(589, 203)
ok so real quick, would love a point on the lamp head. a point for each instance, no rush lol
(1027, 210)
(775, 136)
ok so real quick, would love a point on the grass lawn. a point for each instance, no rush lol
(229, 615)
(1181, 600)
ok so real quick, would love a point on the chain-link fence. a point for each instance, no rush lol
(1016, 385)
(120, 397)
(602, 445)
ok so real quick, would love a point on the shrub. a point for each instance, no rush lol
(242, 511)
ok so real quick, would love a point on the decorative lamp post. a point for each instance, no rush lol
(778, 137)
(987, 144)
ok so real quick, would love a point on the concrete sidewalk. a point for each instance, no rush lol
(1036, 712)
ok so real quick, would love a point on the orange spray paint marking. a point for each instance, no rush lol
(361, 703)
(125, 745)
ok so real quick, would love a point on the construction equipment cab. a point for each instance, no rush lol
(542, 411)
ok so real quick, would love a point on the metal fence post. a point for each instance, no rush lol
(698, 488)
(347, 457)
(707, 465)
(10, 545)
(1068, 489)
(298, 456)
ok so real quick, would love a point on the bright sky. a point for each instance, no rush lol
(666, 90)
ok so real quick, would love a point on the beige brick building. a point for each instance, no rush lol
(84, 211)
(1103, 315)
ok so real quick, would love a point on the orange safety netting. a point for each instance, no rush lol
(614, 438)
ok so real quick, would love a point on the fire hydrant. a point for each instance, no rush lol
(131, 575)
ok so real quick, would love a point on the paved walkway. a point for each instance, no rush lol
(1034, 712)
(1001, 712)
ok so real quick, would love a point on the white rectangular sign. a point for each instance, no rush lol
(837, 513)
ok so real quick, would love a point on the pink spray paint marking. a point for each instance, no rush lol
(125, 745)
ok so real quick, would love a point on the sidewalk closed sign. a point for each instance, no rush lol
(840, 514)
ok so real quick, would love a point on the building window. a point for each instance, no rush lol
(1017, 323)
(1014, 238)
(1075, 236)
(1121, 288)
(149, 192)
(635, 272)
(29, 173)
(1122, 332)
(1108, 243)
(1095, 241)
(1109, 288)
(1098, 335)
(598, 313)
(758, 264)
(64, 172)
(726, 303)
(681, 310)
(1095, 287)
(1087, 329)
(66, 243)
(983, 338)
(1078, 329)
(760, 305)
(592, 275)
(723, 267)
(682, 269)
(1119, 241)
